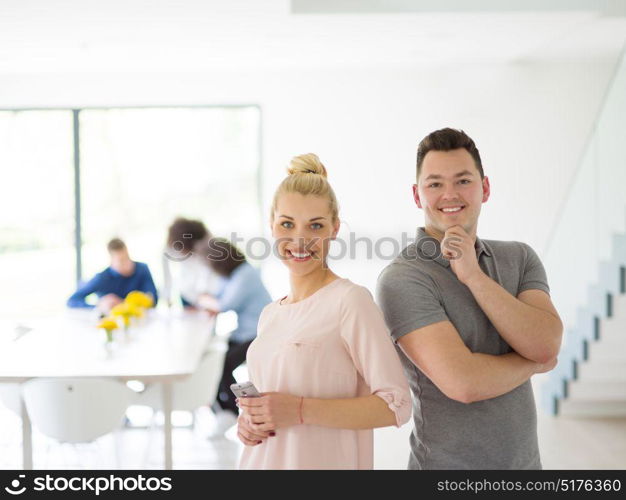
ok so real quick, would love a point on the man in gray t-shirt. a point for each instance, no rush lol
(472, 319)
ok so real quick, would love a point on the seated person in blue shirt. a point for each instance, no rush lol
(240, 290)
(116, 281)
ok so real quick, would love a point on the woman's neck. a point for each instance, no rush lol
(306, 285)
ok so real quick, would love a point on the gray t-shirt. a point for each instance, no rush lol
(418, 289)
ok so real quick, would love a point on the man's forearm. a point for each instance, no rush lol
(533, 333)
(487, 376)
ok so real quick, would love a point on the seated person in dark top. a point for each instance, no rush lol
(240, 290)
(116, 281)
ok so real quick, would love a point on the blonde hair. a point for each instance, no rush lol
(307, 176)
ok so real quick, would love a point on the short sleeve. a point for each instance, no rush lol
(408, 300)
(367, 339)
(78, 297)
(236, 289)
(147, 283)
(533, 275)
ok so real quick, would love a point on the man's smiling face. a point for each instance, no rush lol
(450, 191)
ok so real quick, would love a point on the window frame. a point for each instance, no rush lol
(77, 161)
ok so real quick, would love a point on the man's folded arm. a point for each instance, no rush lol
(529, 322)
(439, 352)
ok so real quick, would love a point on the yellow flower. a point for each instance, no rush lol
(139, 299)
(119, 309)
(133, 310)
(124, 311)
(108, 325)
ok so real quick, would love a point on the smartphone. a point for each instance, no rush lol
(245, 390)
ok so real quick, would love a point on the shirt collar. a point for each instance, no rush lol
(429, 248)
(120, 275)
(481, 248)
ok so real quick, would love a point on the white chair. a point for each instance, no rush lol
(198, 389)
(76, 410)
(10, 397)
(10, 433)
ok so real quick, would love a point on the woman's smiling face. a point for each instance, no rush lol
(303, 228)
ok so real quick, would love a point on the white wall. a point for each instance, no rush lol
(530, 121)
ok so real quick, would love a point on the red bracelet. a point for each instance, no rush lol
(300, 412)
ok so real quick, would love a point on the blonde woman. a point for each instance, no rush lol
(323, 357)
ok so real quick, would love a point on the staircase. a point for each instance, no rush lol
(585, 259)
(590, 378)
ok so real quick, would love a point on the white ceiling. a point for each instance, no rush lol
(200, 35)
(609, 7)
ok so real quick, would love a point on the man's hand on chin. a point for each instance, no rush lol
(458, 247)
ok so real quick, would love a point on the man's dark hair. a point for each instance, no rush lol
(185, 233)
(222, 256)
(448, 139)
(115, 244)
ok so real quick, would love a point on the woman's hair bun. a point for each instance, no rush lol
(306, 164)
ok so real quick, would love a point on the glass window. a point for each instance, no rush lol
(140, 168)
(37, 257)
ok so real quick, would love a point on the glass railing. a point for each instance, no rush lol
(593, 212)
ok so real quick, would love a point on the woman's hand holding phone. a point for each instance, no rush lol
(247, 435)
(271, 411)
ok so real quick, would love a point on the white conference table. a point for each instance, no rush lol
(163, 347)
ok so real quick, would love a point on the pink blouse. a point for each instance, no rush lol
(333, 344)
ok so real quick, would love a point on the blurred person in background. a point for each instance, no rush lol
(240, 290)
(114, 283)
(184, 272)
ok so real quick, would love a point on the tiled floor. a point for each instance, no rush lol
(565, 443)
(137, 448)
(579, 443)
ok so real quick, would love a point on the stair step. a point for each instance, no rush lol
(601, 390)
(604, 345)
(606, 356)
(619, 247)
(619, 301)
(613, 327)
(619, 311)
(608, 348)
(594, 371)
(611, 409)
(609, 276)
(596, 300)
